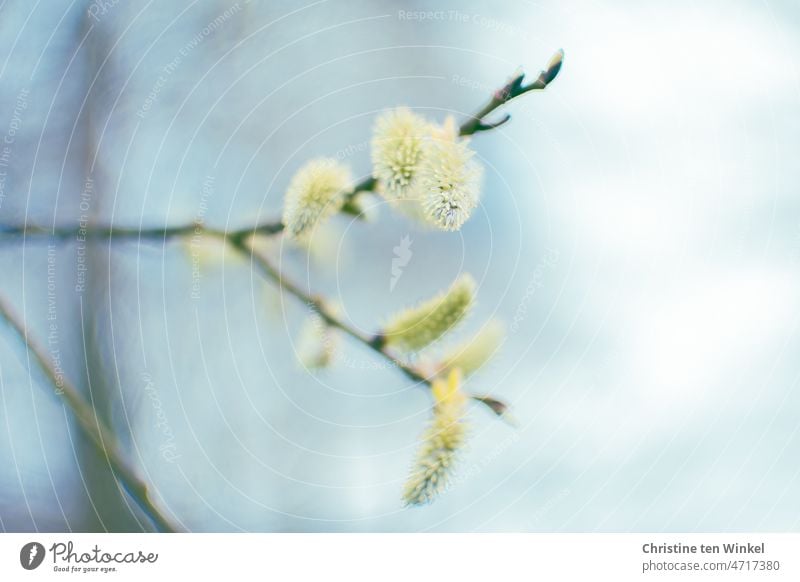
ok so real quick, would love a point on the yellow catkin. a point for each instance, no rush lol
(449, 182)
(441, 442)
(420, 326)
(315, 193)
(397, 146)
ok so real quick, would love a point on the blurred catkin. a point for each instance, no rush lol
(470, 355)
(317, 343)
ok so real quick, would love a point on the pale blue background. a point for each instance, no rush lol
(653, 365)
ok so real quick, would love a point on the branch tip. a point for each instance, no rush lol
(482, 126)
(499, 407)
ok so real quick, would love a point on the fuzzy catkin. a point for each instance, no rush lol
(424, 169)
(397, 149)
(420, 326)
(315, 193)
(441, 442)
(449, 183)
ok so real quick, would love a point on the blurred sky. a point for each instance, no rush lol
(639, 233)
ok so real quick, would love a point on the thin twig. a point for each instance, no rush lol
(116, 232)
(92, 426)
(266, 267)
(511, 90)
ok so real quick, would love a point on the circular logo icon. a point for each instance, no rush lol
(31, 555)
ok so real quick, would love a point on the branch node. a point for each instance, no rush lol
(378, 342)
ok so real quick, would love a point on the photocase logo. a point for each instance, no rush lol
(31, 555)
(402, 255)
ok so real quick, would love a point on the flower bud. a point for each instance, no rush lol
(553, 67)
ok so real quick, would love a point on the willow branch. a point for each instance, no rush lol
(267, 269)
(115, 232)
(511, 90)
(476, 123)
(92, 426)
